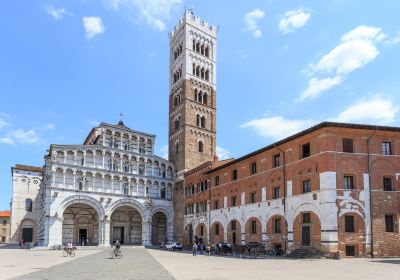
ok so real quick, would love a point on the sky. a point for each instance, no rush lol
(282, 66)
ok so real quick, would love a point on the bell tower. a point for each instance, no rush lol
(192, 93)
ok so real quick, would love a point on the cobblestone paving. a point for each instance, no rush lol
(136, 263)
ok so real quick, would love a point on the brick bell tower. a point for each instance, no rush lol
(192, 101)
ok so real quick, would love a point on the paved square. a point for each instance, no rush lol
(141, 263)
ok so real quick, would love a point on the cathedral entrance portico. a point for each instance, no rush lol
(126, 225)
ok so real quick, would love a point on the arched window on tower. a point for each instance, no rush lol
(203, 122)
(207, 76)
(163, 193)
(198, 71)
(176, 123)
(198, 47)
(194, 45)
(205, 98)
(175, 101)
(202, 73)
(198, 120)
(194, 69)
(202, 49)
(176, 147)
(207, 52)
(28, 205)
(195, 94)
(200, 99)
(200, 146)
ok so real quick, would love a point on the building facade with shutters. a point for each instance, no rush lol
(112, 187)
(5, 226)
(334, 187)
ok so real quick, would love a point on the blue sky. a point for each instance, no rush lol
(282, 66)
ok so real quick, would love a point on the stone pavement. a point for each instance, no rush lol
(136, 263)
(183, 266)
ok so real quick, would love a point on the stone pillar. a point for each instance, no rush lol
(84, 158)
(65, 156)
(367, 220)
(146, 233)
(106, 229)
(55, 231)
(329, 222)
(103, 154)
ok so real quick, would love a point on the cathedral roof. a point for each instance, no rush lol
(5, 213)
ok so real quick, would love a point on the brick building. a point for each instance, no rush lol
(311, 189)
(5, 225)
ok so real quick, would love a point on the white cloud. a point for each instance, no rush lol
(152, 12)
(251, 19)
(316, 86)
(394, 40)
(277, 127)
(3, 124)
(357, 49)
(293, 20)
(54, 12)
(23, 136)
(93, 26)
(374, 110)
(7, 140)
(222, 153)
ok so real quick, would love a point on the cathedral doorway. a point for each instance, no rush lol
(126, 225)
(159, 228)
(80, 225)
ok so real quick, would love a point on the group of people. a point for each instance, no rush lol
(200, 247)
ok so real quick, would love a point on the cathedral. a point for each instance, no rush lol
(332, 188)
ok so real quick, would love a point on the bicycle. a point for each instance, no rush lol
(69, 252)
(116, 254)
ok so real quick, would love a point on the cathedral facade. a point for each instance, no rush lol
(112, 187)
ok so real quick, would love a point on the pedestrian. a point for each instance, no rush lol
(194, 249)
(201, 248)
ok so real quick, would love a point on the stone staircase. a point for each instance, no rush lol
(307, 253)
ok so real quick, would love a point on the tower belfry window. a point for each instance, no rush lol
(201, 146)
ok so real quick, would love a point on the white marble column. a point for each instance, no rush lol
(146, 233)
(55, 231)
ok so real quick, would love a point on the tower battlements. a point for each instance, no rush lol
(190, 18)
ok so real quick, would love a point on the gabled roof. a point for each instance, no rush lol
(28, 168)
(303, 133)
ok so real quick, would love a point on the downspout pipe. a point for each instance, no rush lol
(370, 189)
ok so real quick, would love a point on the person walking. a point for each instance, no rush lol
(201, 248)
(194, 249)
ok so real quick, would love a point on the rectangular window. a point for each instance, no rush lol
(387, 184)
(234, 175)
(350, 251)
(349, 223)
(216, 204)
(277, 192)
(217, 180)
(306, 186)
(348, 182)
(277, 225)
(348, 145)
(233, 201)
(306, 218)
(253, 197)
(253, 168)
(389, 222)
(253, 227)
(201, 230)
(233, 225)
(217, 229)
(305, 150)
(386, 148)
(4, 222)
(277, 160)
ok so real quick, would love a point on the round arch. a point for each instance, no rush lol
(82, 199)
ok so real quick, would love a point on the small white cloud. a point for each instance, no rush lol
(293, 20)
(222, 153)
(24, 136)
(251, 19)
(394, 40)
(7, 141)
(49, 126)
(357, 49)
(277, 127)
(93, 26)
(3, 124)
(374, 110)
(153, 12)
(54, 12)
(316, 86)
